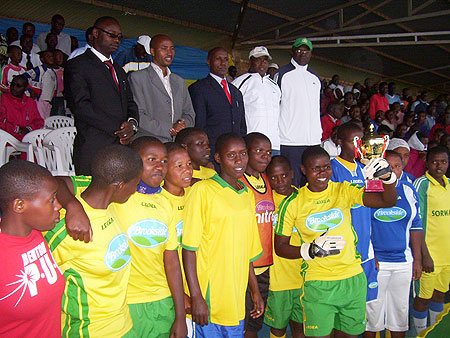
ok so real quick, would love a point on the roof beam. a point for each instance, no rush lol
(422, 6)
(383, 76)
(402, 26)
(385, 22)
(302, 19)
(238, 26)
(367, 12)
(423, 71)
(154, 16)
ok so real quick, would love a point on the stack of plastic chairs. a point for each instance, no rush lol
(9, 145)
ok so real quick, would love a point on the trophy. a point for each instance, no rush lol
(371, 146)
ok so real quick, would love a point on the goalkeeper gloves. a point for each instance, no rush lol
(322, 246)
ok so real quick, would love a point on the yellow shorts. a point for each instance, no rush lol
(438, 280)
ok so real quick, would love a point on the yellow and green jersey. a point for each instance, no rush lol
(312, 214)
(435, 211)
(177, 203)
(203, 173)
(285, 273)
(147, 219)
(96, 274)
(220, 226)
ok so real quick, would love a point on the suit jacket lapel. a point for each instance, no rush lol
(154, 77)
(218, 87)
(103, 69)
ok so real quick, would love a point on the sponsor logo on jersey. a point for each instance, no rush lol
(179, 228)
(148, 233)
(325, 220)
(440, 212)
(264, 212)
(118, 254)
(322, 201)
(373, 285)
(390, 214)
(356, 206)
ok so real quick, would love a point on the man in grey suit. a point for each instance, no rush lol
(162, 97)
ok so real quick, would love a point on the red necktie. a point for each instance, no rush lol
(112, 71)
(225, 89)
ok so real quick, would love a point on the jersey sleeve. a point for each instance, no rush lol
(287, 213)
(172, 241)
(255, 246)
(421, 185)
(353, 192)
(194, 217)
(417, 221)
(60, 243)
(80, 182)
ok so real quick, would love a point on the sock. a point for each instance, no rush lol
(273, 336)
(420, 320)
(435, 309)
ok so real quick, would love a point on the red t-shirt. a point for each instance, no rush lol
(31, 288)
(328, 123)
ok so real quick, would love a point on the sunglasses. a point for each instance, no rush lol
(111, 35)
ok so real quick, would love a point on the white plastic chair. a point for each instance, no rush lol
(9, 145)
(60, 142)
(36, 138)
(55, 122)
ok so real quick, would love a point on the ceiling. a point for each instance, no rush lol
(425, 63)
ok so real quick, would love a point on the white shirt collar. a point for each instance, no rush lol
(296, 65)
(159, 71)
(100, 55)
(217, 78)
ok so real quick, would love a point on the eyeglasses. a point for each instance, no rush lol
(300, 51)
(111, 35)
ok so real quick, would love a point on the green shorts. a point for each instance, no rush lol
(153, 319)
(282, 307)
(339, 304)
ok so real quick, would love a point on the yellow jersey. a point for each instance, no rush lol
(149, 224)
(435, 211)
(220, 226)
(312, 214)
(203, 173)
(285, 273)
(177, 203)
(94, 300)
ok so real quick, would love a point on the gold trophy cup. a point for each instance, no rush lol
(371, 146)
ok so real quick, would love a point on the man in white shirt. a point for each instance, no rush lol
(64, 41)
(162, 97)
(81, 50)
(261, 97)
(299, 123)
(29, 58)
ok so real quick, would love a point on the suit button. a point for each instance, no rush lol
(233, 122)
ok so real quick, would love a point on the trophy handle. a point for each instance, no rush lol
(385, 145)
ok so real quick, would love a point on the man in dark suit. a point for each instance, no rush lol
(99, 96)
(218, 105)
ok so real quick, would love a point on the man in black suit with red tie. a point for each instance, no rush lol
(218, 105)
(99, 96)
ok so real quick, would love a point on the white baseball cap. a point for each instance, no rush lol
(144, 40)
(258, 52)
(274, 65)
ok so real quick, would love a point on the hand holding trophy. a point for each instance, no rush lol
(370, 147)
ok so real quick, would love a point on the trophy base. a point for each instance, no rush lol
(374, 186)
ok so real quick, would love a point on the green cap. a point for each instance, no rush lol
(302, 41)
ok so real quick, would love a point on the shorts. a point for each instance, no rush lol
(219, 331)
(371, 273)
(256, 324)
(153, 319)
(438, 280)
(282, 307)
(337, 304)
(390, 309)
